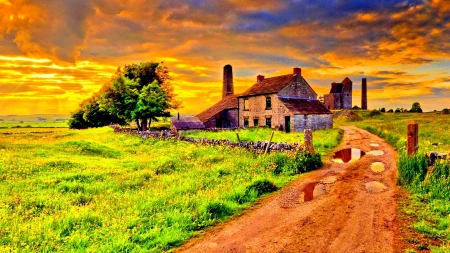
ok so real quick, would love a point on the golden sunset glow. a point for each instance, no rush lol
(54, 55)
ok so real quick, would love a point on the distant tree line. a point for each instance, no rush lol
(136, 93)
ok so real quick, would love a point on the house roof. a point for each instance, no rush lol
(187, 122)
(304, 106)
(228, 102)
(269, 85)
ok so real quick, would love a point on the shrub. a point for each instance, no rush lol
(446, 111)
(218, 210)
(383, 109)
(374, 112)
(261, 187)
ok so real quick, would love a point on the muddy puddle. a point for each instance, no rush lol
(375, 187)
(348, 155)
(376, 152)
(312, 191)
(377, 167)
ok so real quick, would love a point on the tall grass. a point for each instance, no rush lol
(97, 191)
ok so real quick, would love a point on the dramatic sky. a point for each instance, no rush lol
(56, 53)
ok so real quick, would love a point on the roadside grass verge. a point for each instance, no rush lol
(428, 202)
(97, 191)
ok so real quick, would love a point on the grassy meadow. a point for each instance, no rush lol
(98, 191)
(34, 121)
(428, 204)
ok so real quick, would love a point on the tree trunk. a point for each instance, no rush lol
(138, 125)
(149, 123)
(144, 124)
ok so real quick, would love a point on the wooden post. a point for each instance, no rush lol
(179, 135)
(413, 138)
(308, 141)
(268, 144)
(238, 139)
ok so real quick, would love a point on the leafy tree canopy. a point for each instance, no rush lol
(137, 93)
(416, 107)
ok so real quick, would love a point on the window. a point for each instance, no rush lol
(269, 122)
(268, 103)
(246, 104)
(255, 122)
(245, 122)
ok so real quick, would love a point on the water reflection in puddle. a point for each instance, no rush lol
(348, 155)
(376, 152)
(375, 187)
(377, 167)
(374, 144)
(311, 191)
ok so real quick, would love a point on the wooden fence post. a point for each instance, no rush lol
(268, 144)
(413, 138)
(308, 141)
(238, 139)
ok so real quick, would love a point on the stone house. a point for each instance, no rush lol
(223, 114)
(185, 123)
(283, 102)
(340, 96)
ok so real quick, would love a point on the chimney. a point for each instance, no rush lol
(298, 71)
(364, 94)
(259, 78)
(228, 88)
(178, 115)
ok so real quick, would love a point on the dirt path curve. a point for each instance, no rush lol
(344, 216)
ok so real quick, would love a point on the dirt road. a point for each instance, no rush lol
(342, 207)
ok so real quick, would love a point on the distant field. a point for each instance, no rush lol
(97, 191)
(37, 120)
(428, 204)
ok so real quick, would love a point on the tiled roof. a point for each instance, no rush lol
(304, 106)
(269, 85)
(228, 102)
(187, 122)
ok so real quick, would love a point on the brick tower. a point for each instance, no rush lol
(364, 94)
(228, 87)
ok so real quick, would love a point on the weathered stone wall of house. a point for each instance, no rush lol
(312, 121)
(347, 96)
(298, 88)
(230, 115)
(257, 110)
(332, 101)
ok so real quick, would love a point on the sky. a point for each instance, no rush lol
(56, 53)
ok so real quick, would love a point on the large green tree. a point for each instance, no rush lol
(415, 107)
(137, 93)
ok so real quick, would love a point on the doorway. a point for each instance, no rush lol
(287, 123)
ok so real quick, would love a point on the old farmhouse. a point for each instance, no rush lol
(284, 102)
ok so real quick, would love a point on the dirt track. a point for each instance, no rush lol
(343, 216)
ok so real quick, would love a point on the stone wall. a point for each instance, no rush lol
(257, 110)
(332, 101)
(298, 88)
(347, 96)
(312, 121)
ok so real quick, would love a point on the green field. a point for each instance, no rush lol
(428, 202)
(98, 191)
(37, 120)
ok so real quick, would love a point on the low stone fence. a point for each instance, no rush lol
(255, 146)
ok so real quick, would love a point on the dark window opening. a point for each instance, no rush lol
(269, 122)
(255, 122)
(245, 122)
(268, 103)
(218, 123)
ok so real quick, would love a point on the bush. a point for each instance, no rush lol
(390, 110)
(261, 187)
(374, 112)
(446, 111)
(383, 109)
(299, 163)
